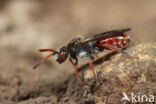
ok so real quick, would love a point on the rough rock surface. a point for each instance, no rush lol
(116, 72)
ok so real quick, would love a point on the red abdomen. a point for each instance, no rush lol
(119, 41)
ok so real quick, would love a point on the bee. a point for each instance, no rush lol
(114, 40)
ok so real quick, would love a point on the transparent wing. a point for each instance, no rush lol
(105, 34)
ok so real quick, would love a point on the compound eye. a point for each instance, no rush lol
(62, 56)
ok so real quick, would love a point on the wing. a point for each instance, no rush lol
(105, 34)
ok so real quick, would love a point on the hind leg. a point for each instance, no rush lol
(92, 67)
(111, 47)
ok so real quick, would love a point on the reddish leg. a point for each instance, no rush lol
(111, 47)
(76, 71)
(92, 67)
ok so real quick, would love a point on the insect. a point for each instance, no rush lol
(114, 40)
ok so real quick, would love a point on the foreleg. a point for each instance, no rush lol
(76, 71)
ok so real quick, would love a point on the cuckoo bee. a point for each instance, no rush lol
(114, 40)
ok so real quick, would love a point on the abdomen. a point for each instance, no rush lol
(119, 41)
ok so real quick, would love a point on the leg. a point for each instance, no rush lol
(126, 53)
(76, 61)
(92, 67)
(76, 71)
(118, 50)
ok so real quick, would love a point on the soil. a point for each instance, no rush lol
(116, 72)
